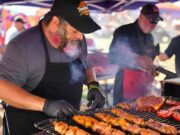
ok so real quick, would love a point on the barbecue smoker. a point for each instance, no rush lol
(171, 87)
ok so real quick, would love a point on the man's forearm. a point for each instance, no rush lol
(163, 57)
(19, 98)
(90, 75)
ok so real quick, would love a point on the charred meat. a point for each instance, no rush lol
(162, 127)
(129, 117)
(172, 102)
(65, 129)
(149, 104)
(124, 105)
(101, 128)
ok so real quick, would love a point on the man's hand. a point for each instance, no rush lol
(95, 97)
(58, 108)
(146, 63)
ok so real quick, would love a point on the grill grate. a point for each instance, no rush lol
(151, 115)
(47, 125)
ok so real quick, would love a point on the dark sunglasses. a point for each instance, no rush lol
(152, 21)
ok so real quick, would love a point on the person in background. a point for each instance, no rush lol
(173, 49)
(2, 49)
(16, 28)
(133, 50)
(43, 69)
(1, 35)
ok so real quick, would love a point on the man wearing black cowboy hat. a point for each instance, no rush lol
(44, 68)
(132, 49)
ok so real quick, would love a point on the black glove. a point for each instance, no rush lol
(95, 97)
(58, 108)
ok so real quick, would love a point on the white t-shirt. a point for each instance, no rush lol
(11, 33)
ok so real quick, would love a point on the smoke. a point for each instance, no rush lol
(76, 74)
(72, 49)
(154, 89)
(125, 57)
(122, 55)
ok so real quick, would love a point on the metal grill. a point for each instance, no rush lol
(150, 115)
(47, 125)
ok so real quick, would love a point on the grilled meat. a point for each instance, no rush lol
(61, 127)
(176, 115)
(124, 105)
(129, 117)
(65, 129)
(164, 113)
(144, 131)
(149, 104)
(161, 127)
(110, 119)
(73, 130)
(172, 102)
(100, 127)
(86, 121)
(132, 128)
(106, 129)
(168, 113)
(174, 108)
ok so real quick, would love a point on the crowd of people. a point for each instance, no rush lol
(44, 68)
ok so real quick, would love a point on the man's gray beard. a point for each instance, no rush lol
(62, 33)
(63, 44)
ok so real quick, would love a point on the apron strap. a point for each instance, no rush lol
(5, 120)
(43, 38)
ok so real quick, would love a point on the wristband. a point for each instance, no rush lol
(93, 85)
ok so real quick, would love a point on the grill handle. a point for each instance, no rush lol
(168, 73)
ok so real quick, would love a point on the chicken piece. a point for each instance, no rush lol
(99, 127)
(129, 117)
(86, 121)
(124, 105)
(162, 127)
(132, 128)
(105, 129)
(144, 131)
(65, 129)
(61, 127)
(73, 130)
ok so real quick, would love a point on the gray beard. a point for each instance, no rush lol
(62, 32)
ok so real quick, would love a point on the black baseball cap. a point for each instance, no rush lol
(19, 19)
(152, 13)
(76, 13)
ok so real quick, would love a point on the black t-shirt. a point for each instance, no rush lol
(174, 49)
(128, 43)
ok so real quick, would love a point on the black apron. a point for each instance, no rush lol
(56, 84)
